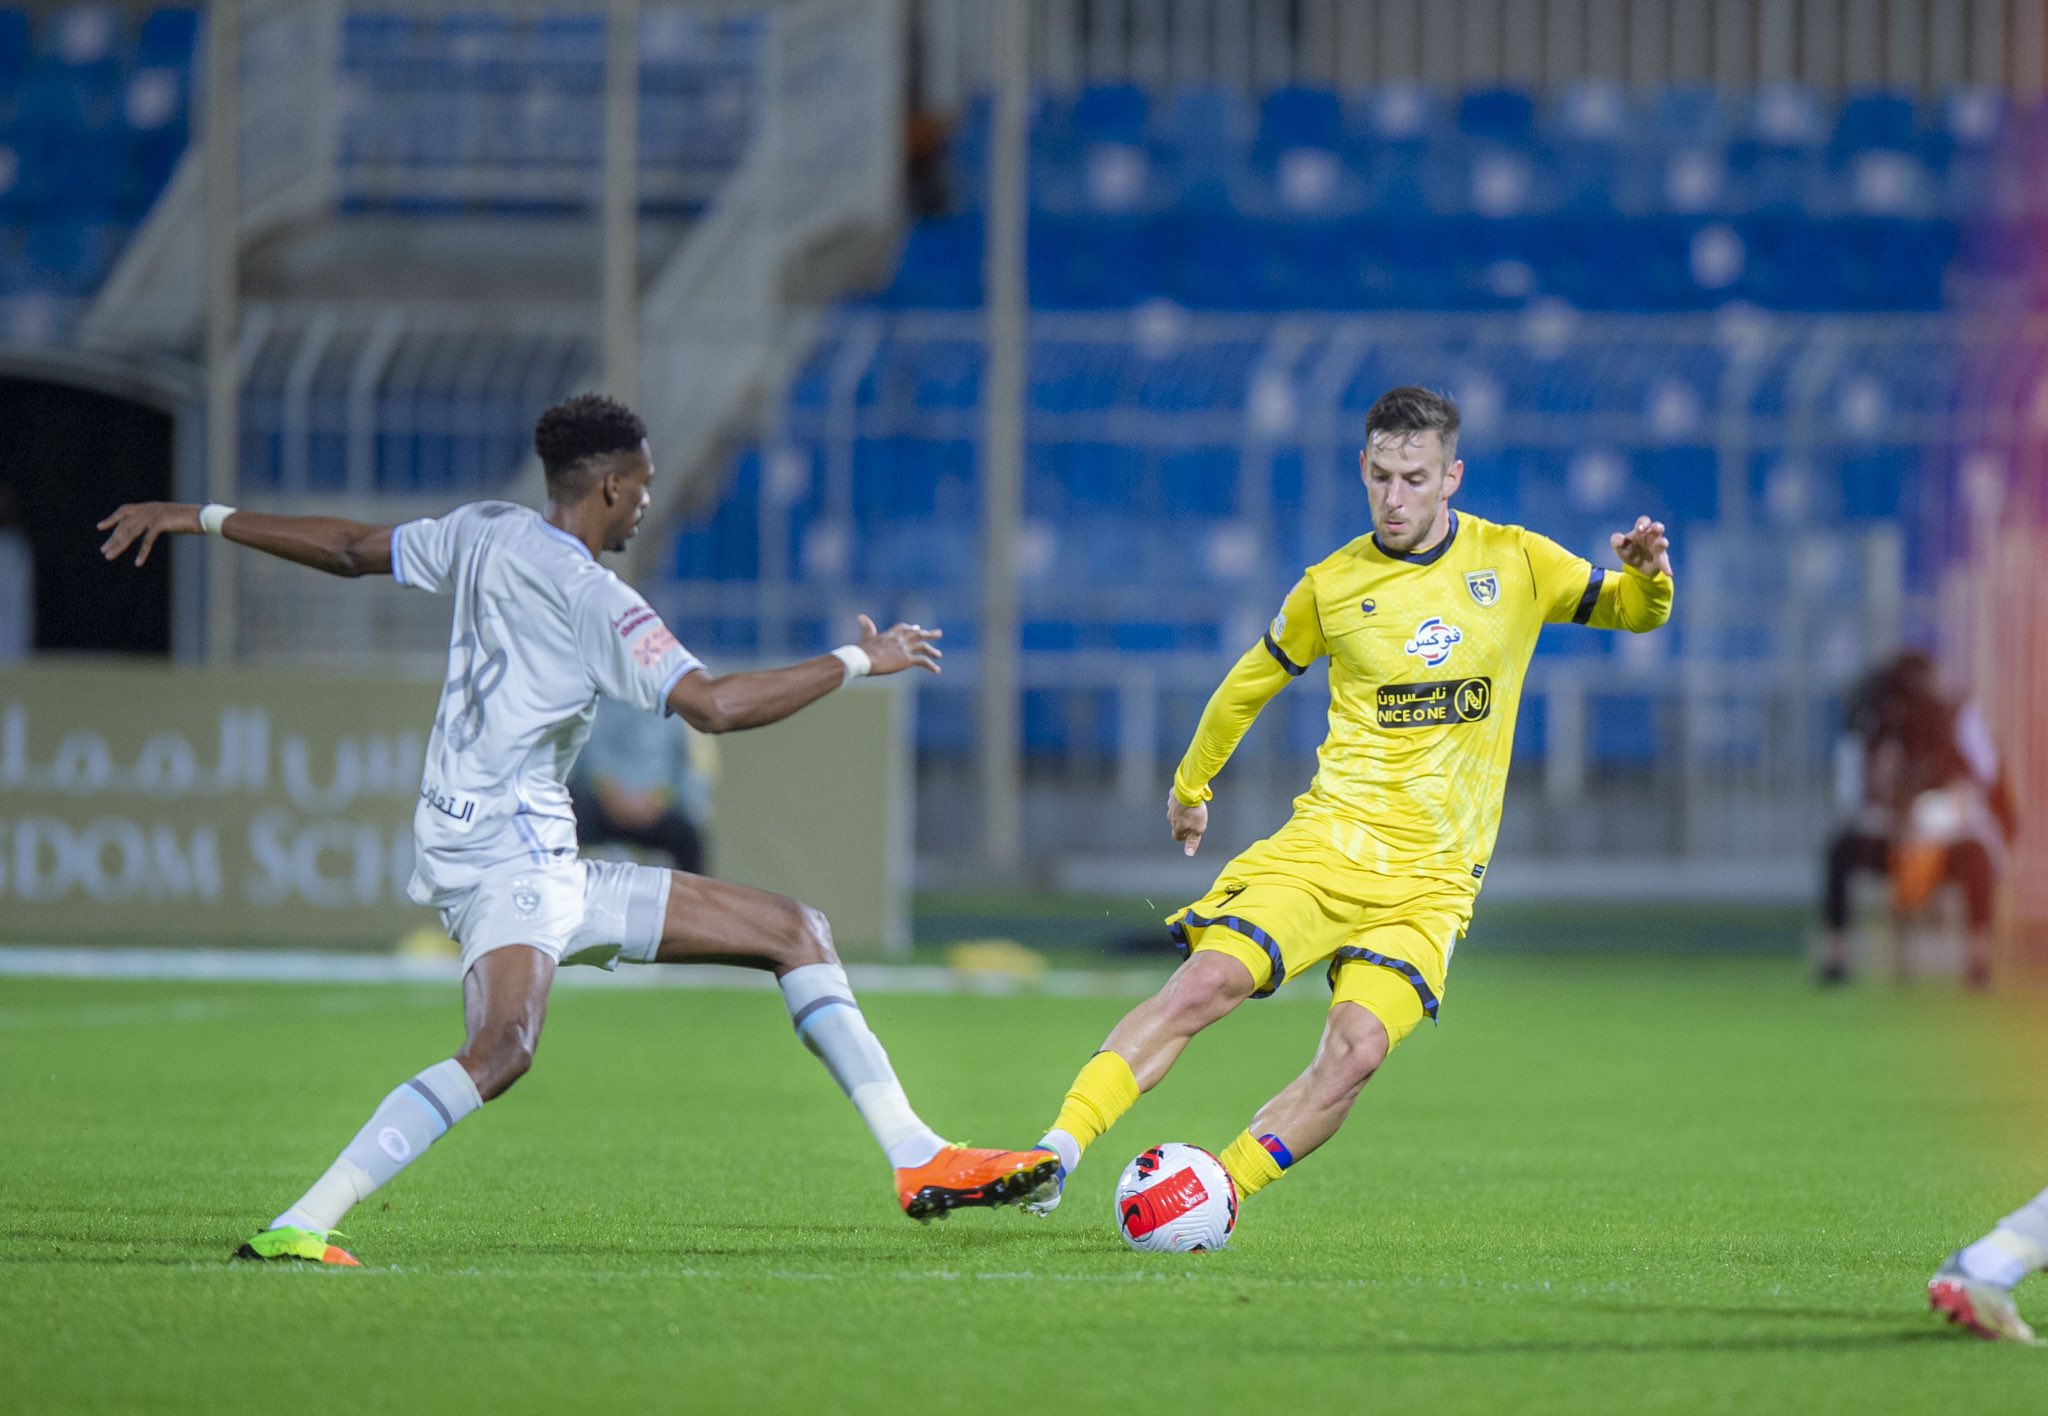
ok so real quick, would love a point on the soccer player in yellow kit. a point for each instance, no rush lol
(1429, 624)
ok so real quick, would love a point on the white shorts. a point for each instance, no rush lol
(580, 911)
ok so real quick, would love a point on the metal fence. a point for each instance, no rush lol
(1256, 45)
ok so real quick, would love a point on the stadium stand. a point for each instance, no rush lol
(94, 113)
(1666, 303)
(1725, 310)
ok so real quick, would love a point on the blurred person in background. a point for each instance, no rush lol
(17, 582)
(637, 784)
(1926, 803)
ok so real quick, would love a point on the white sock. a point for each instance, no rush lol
(829, 1022)
(404, 1124)
(1064, 1146)
(2013, 1250)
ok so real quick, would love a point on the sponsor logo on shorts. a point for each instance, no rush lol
(1433, 642)
(1435, 705)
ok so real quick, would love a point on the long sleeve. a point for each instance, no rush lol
(1572, 590)
(1292, 643)
(1248, 687)
(1632, 601)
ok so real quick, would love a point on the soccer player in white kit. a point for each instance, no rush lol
(540, 630)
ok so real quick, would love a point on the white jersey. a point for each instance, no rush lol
(541, 629)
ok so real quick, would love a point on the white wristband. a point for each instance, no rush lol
(212, 516)
(858, 665)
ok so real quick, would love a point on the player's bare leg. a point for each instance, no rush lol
(1204, 990)
(1138, 1053)
(504, 1004)
(1313, 1106)
(504, 1007)
(713, 921)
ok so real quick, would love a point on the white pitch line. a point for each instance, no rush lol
(203, 1010)
(305, 966)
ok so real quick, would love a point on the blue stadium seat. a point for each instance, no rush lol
(725, 546)
(940, 266)
(1119, 113)
(1688, 116)
(14, 48)
(1874, 120)
(1301, 117)
(1501, 115)
(1207, 118)
(1082, 480)
(71, 257)
(167, 38)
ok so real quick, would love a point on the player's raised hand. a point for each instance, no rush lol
(903, 646)
(145, 521)
(1188, 823)
(1644, 547)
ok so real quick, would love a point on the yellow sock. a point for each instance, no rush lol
(1250, 1164)
(1102, 1093)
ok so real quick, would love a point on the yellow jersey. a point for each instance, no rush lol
(1428, 653)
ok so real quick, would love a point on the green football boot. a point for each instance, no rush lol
(309, 1245)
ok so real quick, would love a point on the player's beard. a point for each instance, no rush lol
(1411, 536)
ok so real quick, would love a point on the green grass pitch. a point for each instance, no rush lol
(1601, 1186)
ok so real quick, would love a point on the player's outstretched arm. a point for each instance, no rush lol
(329, 543)
(751, 700)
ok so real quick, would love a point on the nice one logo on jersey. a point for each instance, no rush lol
(1434, 640)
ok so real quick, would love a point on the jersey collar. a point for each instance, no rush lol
(566, 539)
(1429, 557)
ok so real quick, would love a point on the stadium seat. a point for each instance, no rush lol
(1117, 113)
(1689, 117)
(1499, 115)
(1301, 117)
(1874, 120)
(168, 39)
(14, 48)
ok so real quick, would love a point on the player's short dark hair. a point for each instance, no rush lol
(580, 428)
(1405, 411)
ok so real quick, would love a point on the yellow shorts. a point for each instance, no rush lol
(1291, 902)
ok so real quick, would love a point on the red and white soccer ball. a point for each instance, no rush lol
(1176, 1199)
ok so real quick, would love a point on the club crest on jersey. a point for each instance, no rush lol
(1484, 585)
(1434, 640)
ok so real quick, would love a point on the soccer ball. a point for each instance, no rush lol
(1176, 1199)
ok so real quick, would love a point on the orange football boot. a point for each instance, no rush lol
(960, 1177)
